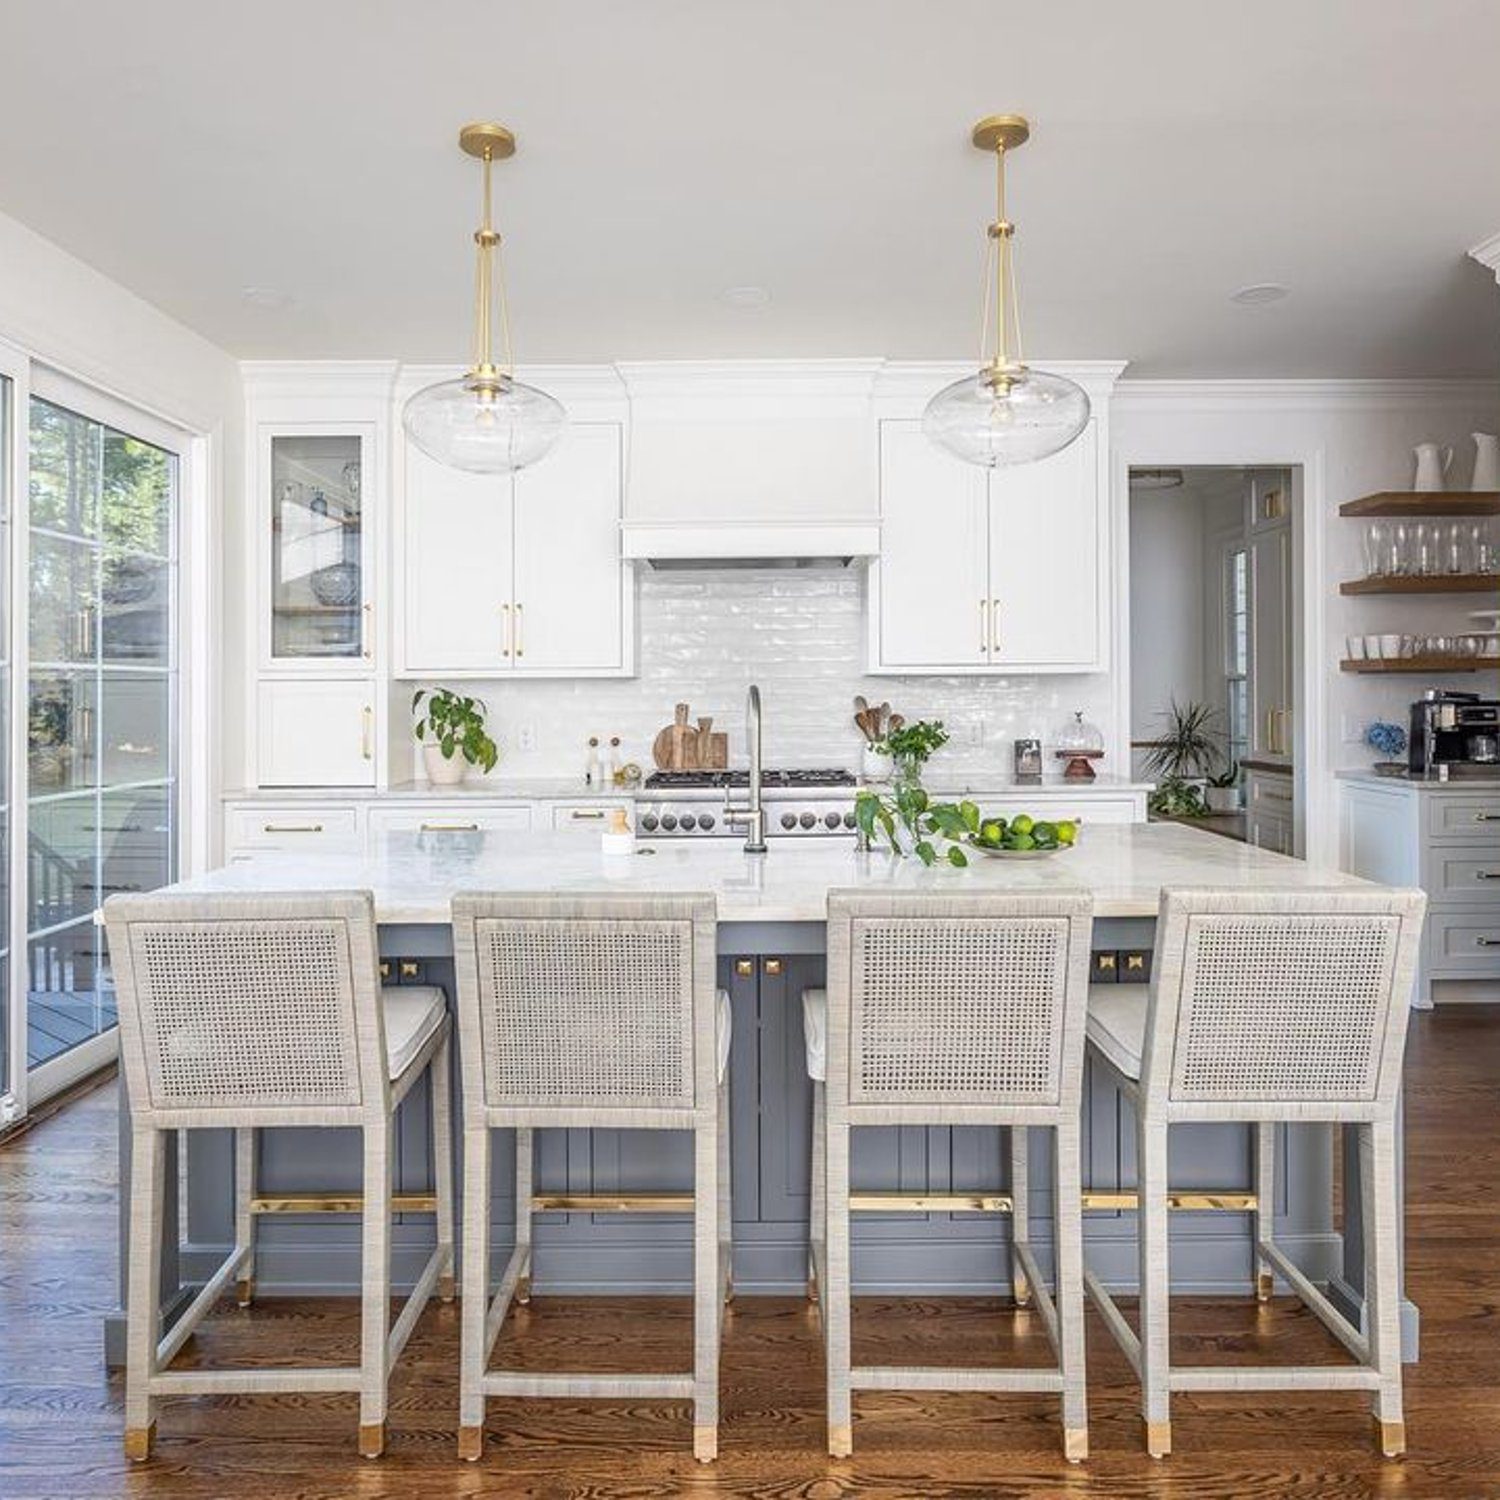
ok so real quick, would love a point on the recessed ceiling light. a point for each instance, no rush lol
(747, 296)
(269, 297)
(1260, 294)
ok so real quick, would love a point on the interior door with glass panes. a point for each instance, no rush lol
(12, 1016)
(101, 761)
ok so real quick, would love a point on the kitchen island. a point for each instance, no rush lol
(771, 945)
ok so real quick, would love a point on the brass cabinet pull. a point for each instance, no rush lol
(369, 650)
(505, 631)
(994, 625)
(744, 967)
(449, 828)
(291, 828)
(410, 968)
(366, 725)
(520, 636)
(984, 628)
(773, 967)
(580, 815)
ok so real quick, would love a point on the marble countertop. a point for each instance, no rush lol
(570, 789)
(1471, 781)
(414, 876)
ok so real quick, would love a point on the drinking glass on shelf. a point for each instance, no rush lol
(1486, 547)
(1425, 549)
(1377, 549)
(1455, 553)
(1401, 558)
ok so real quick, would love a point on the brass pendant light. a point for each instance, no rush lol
(1007, 413)
(486, 422)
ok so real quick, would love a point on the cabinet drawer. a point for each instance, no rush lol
(1474, 816)
(1463, 873)
(1272, 792)
(452, 817)
(325, 830)
(582, 817)
(1463, 943)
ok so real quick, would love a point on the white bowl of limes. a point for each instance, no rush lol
(1024, 837)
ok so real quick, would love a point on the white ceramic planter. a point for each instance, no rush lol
(1222, 799)
(442, 772)
(875, 765)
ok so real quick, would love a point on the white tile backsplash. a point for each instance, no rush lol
(800, 634)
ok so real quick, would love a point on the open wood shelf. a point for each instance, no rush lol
(1436, 583)
(1435, 503)
(1425, 664)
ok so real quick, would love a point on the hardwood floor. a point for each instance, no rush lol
(60, 1413)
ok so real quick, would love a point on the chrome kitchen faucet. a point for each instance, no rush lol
(753, 813)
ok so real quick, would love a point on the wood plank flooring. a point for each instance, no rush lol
(60, 1412)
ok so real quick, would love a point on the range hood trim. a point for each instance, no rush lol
(747, 544)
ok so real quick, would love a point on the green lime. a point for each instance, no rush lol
(1022, 841)
(1021, 823)
(1067, 831)
(1044, 833)
(992, 830)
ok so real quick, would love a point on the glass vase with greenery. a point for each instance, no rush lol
(911, 747)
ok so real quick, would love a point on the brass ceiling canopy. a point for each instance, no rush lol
(487, 141)
(1001, 132)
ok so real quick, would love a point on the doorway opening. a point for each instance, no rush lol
(1215, 638)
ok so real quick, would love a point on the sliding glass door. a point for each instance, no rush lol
(12, 1017)
(101, 712)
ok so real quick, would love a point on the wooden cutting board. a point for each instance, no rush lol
(712, 748)
(676, 747)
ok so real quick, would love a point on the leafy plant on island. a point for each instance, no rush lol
(454, 722)
(1190, 747)
(912, 822)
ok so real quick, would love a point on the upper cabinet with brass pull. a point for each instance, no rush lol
(1026, 548)
(517, 573)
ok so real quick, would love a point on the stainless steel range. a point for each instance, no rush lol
(798, 804)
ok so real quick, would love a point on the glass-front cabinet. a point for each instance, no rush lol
(319, 608)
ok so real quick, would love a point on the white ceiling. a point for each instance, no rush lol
(671, 149)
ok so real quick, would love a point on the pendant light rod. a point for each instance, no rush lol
(999, 134)
(490, 143)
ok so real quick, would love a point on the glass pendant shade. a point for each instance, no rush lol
(484, 428)
(1013, 419)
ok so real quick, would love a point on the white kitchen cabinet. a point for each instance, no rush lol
(517, 574)
(458, 558)
(934, 589)
(313, 732)
(988, 570)
(1271, 644)
(453, 817)
(291, 828)
(1270, 821)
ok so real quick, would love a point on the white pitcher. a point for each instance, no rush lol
(1486, 461)
(1432, 467)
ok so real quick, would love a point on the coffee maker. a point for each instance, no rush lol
(1450, 730)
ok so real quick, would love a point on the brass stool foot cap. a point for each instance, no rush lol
(523, 1290)
(471, 1443)
(1264, 1285)
(705, 1444)
(812, 1288)
(371, 1439)
(1159, 1439)
(445, 1288)
(244, 1291)
(840, 1441)
(728, 1291)
(1392, 1438)
(139, 1441)
(1075, 1444)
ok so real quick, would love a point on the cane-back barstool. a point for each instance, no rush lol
(586, 1012)
(963, 1009)
(1267, 1007)
(248, 1013)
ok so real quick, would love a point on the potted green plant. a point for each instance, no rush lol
(911, 747)
(1223, 790)
(1176, 798)
(1190, 747)
(452, 735)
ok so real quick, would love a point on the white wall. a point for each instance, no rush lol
(799, 634)
(64, 314)
(1166, 604)
(1350, 438)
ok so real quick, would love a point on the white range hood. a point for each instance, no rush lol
(751, 463)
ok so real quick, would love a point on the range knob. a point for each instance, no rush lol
(705, 821)
(789, 820)
(648, 822)
(849, 820)
(808, 820)
(669, 821)
(689, 822)
(831, 820)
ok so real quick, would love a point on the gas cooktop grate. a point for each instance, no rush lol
(686, 780)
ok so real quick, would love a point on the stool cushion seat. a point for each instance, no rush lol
(1117, 1024)
(412, 1013)
(815, 1033)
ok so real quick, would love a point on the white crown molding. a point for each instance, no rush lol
(1487, 253)
(1300, 395)
(576, 386)
(318, 377)
(716, 380)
